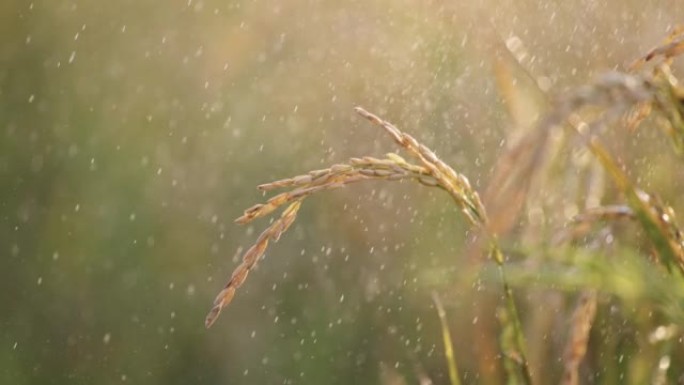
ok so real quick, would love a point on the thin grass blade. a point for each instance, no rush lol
(448, 346)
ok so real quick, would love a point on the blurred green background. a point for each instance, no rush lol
(132, 133)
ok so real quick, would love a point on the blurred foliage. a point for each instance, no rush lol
(132, 134)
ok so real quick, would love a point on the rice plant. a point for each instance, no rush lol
(580, 257)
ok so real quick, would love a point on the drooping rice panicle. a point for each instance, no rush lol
(392, 168)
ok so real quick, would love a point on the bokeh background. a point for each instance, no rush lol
(132, 133)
